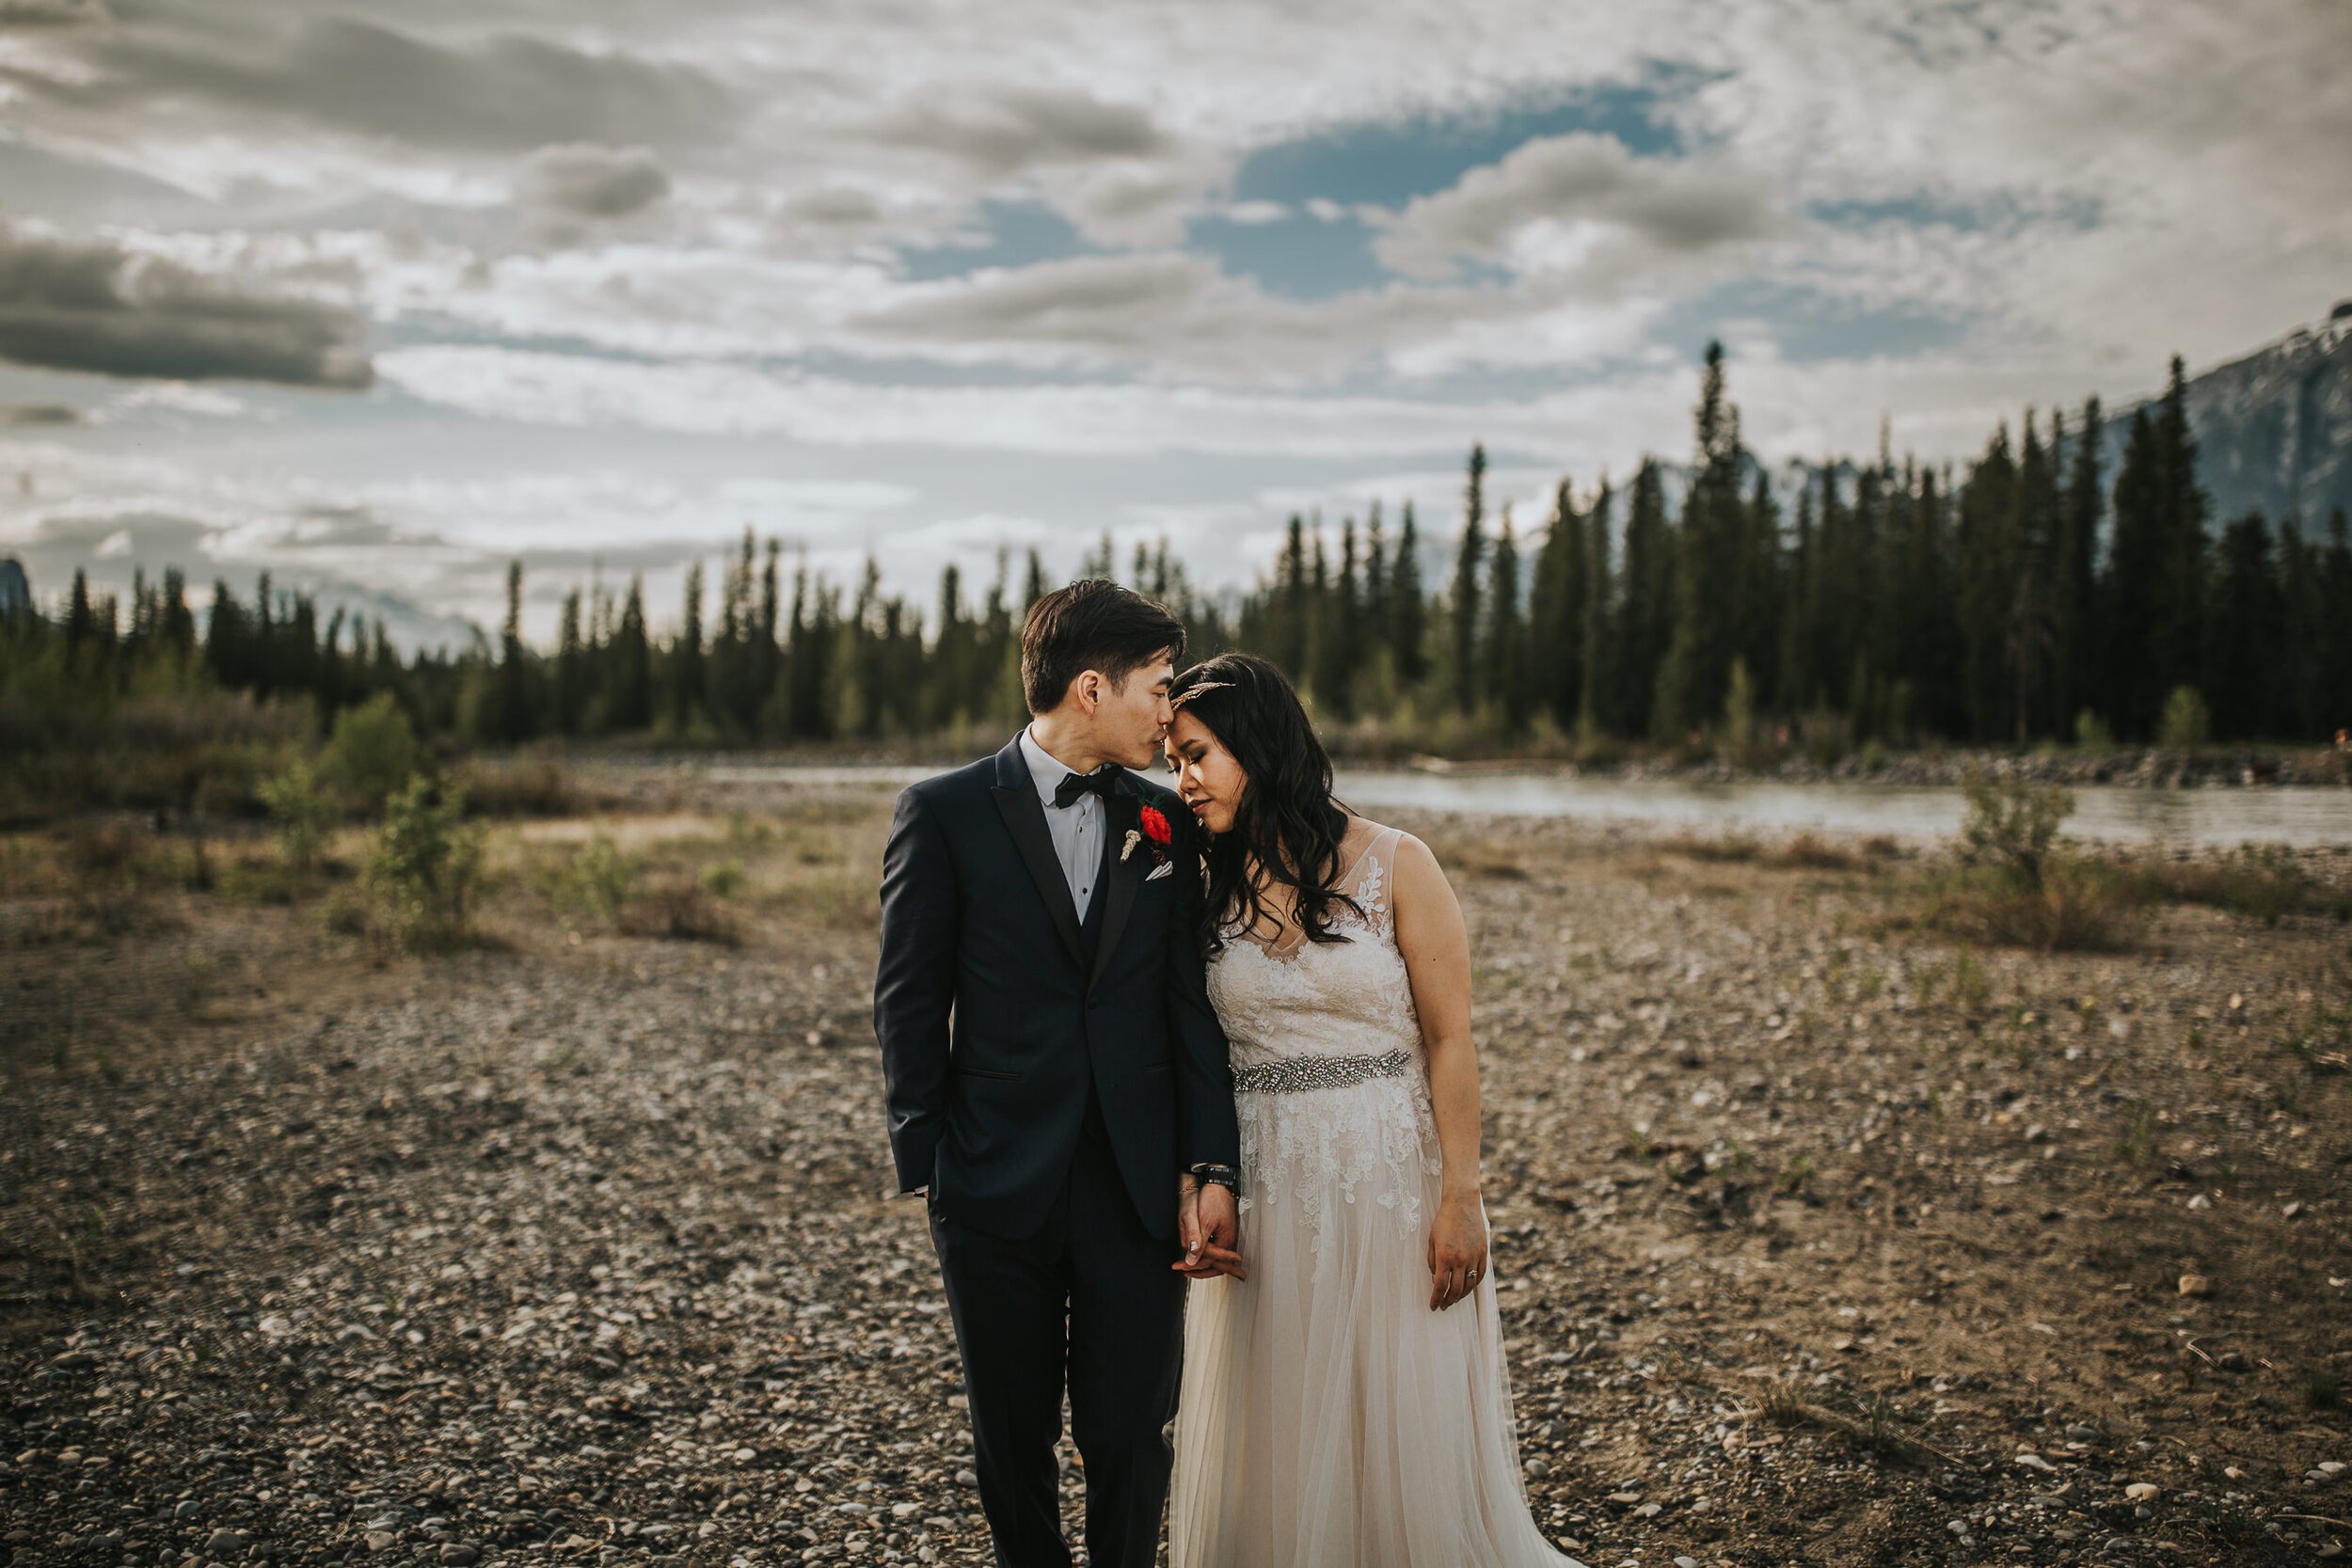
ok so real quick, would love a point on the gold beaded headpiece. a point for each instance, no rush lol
(1190, 692)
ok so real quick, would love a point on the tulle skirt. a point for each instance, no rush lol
(1329, 1417)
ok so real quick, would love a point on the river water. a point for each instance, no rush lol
(2307, 818)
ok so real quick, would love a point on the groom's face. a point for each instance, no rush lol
(1131, 718)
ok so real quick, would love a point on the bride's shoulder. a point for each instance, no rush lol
(1364, 836)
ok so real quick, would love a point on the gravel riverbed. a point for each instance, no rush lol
(1820, 1241)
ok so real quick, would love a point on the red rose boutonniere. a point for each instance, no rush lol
(1155, 828)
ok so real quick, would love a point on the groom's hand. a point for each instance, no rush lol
(1209, 1226)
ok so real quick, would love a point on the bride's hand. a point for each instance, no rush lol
(1457, 1250)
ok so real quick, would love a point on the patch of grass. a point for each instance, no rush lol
(2137, 1144)
(2076, 903)
(2322, 1389)
(2261, 882)
(262, 881)
(722, 879)
(518, 786)
(838, 899)
(678, 911)
(1732, 848)
(1807, 852)
(1795, 1176)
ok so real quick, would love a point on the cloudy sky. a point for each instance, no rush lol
(383, 297)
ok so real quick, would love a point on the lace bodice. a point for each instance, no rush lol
(1347, 998)
(1345, 1117)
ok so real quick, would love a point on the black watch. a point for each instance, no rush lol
(1223, 1176)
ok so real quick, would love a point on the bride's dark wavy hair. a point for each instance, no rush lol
(1287, 819)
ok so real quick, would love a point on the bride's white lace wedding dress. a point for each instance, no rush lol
(1328, 1419)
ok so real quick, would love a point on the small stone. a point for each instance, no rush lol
(187, 1510)
(965, 1478)
(2143, 1491)
(1624, 1497)
(2035, 1461)
(461, 1554)
(2082, 1434)
(381, 1539)
(225, 1542)
(2195, 1285)
(1686, 1563)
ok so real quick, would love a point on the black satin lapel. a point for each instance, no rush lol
(1121, 818)
(1025, 819)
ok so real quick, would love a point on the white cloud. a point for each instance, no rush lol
(1575, 204)
(1096, 420)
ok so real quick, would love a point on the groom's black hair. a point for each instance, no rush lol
(1092, 625)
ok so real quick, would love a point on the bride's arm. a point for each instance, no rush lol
(1436, 946)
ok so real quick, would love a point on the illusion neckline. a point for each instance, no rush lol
(1347, 873)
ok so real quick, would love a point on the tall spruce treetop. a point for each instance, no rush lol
(1406, 631)
(1467, 571)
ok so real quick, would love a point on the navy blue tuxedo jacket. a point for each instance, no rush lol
(993, 1025)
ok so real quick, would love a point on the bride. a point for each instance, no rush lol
(1345, 1399)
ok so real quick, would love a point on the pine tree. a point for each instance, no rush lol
(1649, 599)
(2133, 591)
(1463, 601)
(1337, 638)
(767, 661)
(1505, 661)
(1596, 701)
(511, 719)
(1989, 565)
(1408, 633)
(2247, 616)
(1691, 680)
(2300, 702)
(629, 706)
(571, 669)
(2074, 582)
(1288, 607)
(2184, 510)
(1556, 610)
(687, 656)
(2032, 621)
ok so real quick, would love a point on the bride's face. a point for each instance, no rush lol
(1207, 776)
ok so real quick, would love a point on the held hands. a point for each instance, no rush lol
(1209, 1226)
(1457, 1249)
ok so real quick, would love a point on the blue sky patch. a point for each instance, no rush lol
(1018, 234)
(1299, 257)
(1389, 162)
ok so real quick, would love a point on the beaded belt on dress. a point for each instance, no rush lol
(1293, 1074)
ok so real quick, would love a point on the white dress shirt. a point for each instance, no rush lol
(1077, 828)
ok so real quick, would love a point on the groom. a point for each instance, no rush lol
(1055, 1077)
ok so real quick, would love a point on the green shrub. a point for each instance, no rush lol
(2011, 822)
(302, 810)
(723, 879)
(2185, 724)
(595, 883)
(2091, 732)
(424, 871)
(371, 752)
(2015, 883)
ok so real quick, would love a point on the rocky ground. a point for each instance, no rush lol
(1822, 1240)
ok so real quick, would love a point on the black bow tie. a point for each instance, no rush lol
(1103, 781)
